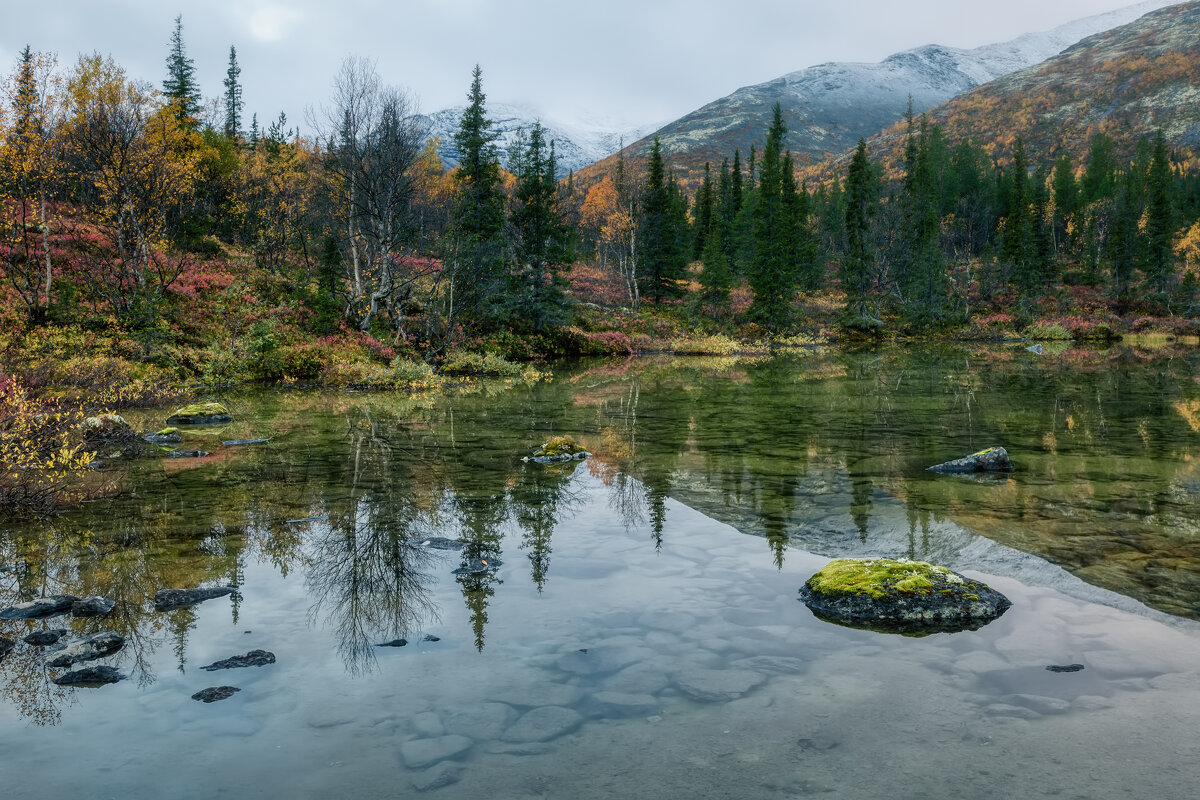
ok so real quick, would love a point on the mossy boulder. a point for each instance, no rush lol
(106, 426)
(900, 596)
(993, 459)
(560, 449)
(200, 414)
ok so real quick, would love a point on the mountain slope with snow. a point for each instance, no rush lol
(827, 107)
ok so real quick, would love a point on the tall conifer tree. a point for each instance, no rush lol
(180, 85)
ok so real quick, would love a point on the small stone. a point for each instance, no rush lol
(478, 566)
(1041, 704)
(543, 724)
(993, 459)
(92, 607)
(418, 753)
(215, 693)
(89, 677)
(394, 643)
(240, 442)
(5, 646)
(255, 658)
(1067, 668)
(89, 648)
(45, 638)
(429, 637)
(437, 776)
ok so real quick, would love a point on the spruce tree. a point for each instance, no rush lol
(858, 265)
(1066, 202)
(1159, 260)
(662, 253)
(1042, 233)
(702, 224)
(180, 85)
(1016, 245)
(771, 273)
(535, 297)
(477, 218)
(233, 96)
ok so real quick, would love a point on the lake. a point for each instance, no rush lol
(635, 630)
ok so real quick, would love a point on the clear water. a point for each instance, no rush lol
(672, 558)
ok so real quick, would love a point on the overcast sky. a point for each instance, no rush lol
(633, 62)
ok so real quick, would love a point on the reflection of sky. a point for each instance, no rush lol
(678, 634)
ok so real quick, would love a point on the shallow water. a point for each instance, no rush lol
(702, 674)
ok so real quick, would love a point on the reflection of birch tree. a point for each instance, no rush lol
(369, 577)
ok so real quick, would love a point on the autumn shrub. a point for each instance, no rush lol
(716, 345)
(465, 363)
(577, 342)
(41, 453)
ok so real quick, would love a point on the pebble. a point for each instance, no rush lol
(215, 693)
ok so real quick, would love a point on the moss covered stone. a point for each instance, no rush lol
(559, 449)
(200, 414)
(900, 595)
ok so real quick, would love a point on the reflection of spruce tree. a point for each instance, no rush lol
(776, 481)
(535, 504)
(481, 517)
(180, 622)
(663, 418)
(860, 503)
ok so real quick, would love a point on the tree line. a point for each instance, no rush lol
(112, 189)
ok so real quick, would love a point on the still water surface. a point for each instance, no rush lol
(637, 631)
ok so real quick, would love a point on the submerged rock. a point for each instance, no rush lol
(45, 638)
(41, 607)
(255, 658)
(394, 643)
(900, 596)
(93, 606)
(441, 543)
(89, 676)
(993, 459)
(1065, 667)
(186, 453)
(238, 442)
(558, 450)
(201, 414)
(478, 566)
(214, 693)
(167, 599)
(89, 648)
(419, 753)
(5, 646)
(165, 436)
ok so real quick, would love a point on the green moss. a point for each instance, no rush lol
(168, 432)
(880, 578)
(560, 446)
(988, 451)
(201, 410)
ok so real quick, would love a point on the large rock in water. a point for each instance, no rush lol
(41, 607)
(993, 459)
(169, 599)
(89, 648)
(900, 596)
(201, 414)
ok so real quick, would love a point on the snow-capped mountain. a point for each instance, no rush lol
(575, 145)
(827, 107)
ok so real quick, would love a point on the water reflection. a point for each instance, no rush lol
(806, 451)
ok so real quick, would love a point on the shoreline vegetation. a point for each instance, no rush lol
(155, 249)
